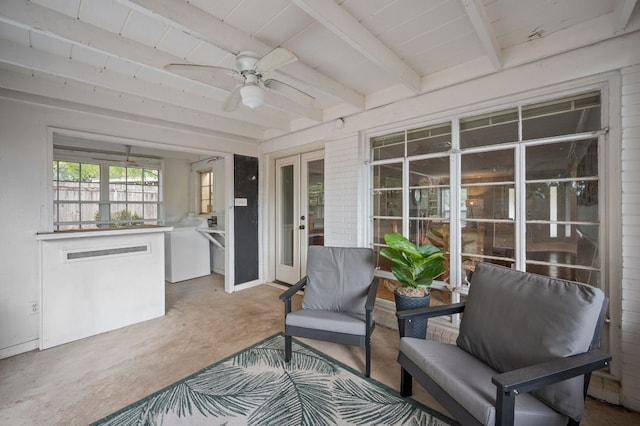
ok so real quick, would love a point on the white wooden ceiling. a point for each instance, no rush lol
(354, 55)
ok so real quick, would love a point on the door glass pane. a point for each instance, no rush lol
(286, 215)
(315, 197)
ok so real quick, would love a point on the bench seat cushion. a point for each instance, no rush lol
(468, 381)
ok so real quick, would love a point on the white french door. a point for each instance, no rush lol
(299, 212)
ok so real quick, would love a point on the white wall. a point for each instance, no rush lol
(605, 65)
(630, 324)
(341, 182)
(176, 180)
(26, 200)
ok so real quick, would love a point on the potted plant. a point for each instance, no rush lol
(415, 268)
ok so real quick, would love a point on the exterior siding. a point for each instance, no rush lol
(630, 293)
(341, 192)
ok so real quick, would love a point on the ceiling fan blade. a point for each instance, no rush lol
(200, 68)
(290, 92)
(233, 100)
(278, 57)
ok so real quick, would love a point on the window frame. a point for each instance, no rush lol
(104, 203)
(606, 162)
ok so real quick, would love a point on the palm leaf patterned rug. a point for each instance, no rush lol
(256, 387)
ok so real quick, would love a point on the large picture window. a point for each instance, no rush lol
(517, 187)
(90, 195)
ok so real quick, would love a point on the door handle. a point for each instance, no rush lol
(301, 227)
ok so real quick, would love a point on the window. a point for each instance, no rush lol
(517, 187)
(89, 195)
(206, 191)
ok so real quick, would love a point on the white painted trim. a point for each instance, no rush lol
(19, 348)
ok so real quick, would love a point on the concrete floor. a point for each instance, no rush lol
(83, 381)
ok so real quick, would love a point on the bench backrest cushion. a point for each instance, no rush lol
(338, 278)
(514, 319)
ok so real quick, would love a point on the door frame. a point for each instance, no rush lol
(300, 239)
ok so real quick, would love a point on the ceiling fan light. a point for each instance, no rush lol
(252, 95)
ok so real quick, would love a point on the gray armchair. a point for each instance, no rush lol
(339, 297)
(525, 352)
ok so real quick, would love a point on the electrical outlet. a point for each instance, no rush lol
(34, 307)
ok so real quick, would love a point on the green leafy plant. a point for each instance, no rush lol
(413, 266)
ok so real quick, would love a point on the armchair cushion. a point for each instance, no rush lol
(338, 279)
(470, 385)
(555, 318)
(337, 322)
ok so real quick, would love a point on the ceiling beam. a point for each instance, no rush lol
(58, 93)
(208, 28)
(482, 26)
(51, 23)
(622, 10)
(337, 20)
(47, 63)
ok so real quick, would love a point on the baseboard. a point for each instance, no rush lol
(19, 348)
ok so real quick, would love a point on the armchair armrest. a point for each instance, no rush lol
(536, 376)
(371, 296)
(288, 294)
(526, 379)
(431, 311)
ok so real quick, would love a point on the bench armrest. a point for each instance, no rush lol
(536, 376)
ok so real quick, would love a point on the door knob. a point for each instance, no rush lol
(301, 227)
(302, 217)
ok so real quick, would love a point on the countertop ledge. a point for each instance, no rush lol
(87, 233)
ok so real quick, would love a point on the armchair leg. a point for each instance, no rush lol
(505, 406)
(368, 360)
(287, 348)
(406, 383)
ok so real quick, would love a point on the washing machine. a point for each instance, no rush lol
(186, 250)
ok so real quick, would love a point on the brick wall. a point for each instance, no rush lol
(631, 238)
(341, 192)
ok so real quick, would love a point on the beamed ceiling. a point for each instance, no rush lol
(110, 56)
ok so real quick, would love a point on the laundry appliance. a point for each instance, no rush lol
(187, 250)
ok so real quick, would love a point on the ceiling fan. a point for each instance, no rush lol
(250, 68)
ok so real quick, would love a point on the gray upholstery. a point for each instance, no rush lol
(339, 298)
(338, 322)
(514, 319)
(468, 381)
(338, 278)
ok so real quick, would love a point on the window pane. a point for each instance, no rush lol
(90, 212)
(562, 160)
(563, 201)
(69, 212)
(491, 166)
(489, 129)
(387, 176)
(427, 140)
(431, 171)
(387, 203)
(385, 226)
(489, 202)
(430, 231)
(387, 146)
(561, 117)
